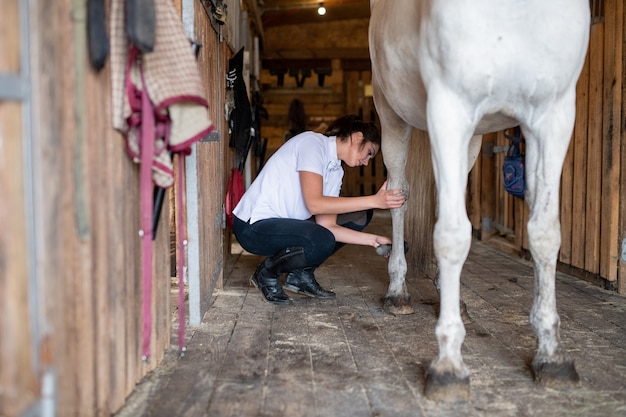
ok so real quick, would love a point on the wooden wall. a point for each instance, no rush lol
(212, 157)
(321, 104)
(19, 385)
(88, 196)
(70, 254)
(593, 194)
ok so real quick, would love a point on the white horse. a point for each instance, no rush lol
(458, 69)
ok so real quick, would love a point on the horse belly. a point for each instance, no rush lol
(396, 71)
(501, 63)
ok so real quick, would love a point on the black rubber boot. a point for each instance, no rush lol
(266, 276)
(303, 281)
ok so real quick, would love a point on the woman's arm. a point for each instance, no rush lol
(317, 203)
(345, 235)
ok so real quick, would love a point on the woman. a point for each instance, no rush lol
(290, 212)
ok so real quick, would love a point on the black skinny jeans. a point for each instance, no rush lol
(268, 237)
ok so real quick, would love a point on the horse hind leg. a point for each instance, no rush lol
(473, 152)
(450, 133)
(544, 163)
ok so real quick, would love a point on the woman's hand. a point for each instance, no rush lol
(383, 240)
(390, 199)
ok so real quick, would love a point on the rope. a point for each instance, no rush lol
(146, 191)
(180, 221)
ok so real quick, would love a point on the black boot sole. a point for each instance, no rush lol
(296, 290)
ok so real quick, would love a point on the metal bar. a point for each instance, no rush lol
(12, 87)
(192, 206)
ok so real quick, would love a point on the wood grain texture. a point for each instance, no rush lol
(613, 82)
(347, 357)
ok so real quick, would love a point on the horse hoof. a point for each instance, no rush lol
(398, 305)
(447, 387)
(555, 374)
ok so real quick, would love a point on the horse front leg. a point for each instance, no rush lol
(397, 300)
(395, 145)
(546, 147)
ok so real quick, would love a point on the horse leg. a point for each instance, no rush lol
(450, 133)
(473, 151)
(395, 140)
(472, 155)
(546, 147)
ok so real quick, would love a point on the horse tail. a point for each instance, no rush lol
(420, 214)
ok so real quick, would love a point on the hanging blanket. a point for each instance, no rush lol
(159, 106)
(173, 84)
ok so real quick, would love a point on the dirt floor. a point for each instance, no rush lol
(347, 357)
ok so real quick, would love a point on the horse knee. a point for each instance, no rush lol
(452, 243)
(544, 238)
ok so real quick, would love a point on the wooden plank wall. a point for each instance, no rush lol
(90, 203)
(590, 197)
(622, 132)
(87, 250)
(322, 104)
(211, 157)
(593, 207)
(19, 385)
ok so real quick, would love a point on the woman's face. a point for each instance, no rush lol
(360, 153)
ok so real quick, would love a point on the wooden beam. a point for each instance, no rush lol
(253, 9)
(270, 64)
(307, 53)
(611, 143)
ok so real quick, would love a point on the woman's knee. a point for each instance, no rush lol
(321, 245)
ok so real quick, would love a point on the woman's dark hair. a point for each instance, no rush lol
(344, 126)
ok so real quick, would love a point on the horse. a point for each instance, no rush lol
(458, 69)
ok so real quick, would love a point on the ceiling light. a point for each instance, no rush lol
(321, 10)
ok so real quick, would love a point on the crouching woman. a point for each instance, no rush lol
(292, 212)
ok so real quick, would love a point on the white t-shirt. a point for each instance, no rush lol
(276, 191)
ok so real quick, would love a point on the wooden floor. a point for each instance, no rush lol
(347, 357)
